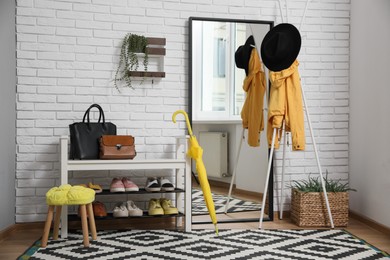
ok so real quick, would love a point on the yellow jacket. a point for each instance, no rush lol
(252, 111)
(286, 103)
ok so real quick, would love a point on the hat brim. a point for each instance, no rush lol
(271, 60)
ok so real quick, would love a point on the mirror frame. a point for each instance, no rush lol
(270, 194)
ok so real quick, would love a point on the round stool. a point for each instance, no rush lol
(70, 195)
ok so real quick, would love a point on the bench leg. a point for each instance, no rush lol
(57, 218)
(46, 230)
(84, 225)
(91, 219)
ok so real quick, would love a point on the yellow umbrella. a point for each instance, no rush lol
(196, 152)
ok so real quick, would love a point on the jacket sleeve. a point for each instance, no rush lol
(276, 108)
(253, 107)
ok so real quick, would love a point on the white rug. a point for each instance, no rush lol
(205, 244)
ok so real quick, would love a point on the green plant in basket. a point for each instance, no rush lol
(128, 59)
(308, 205)
(313, 184)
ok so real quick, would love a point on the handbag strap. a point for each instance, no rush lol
(101, 113)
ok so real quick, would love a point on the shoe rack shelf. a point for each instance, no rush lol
(141, 191)
(109, 216)
(181, 164)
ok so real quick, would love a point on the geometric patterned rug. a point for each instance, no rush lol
(235, 205)
(205, 244)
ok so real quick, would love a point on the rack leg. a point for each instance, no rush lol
(267, 179)
(318, 160)
(64, 180)
(281, 202)
(234, 172)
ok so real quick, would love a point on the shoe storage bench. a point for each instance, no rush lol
(181, 165)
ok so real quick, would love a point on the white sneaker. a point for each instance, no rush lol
(120, 211)
(165, 184)
(133, 210)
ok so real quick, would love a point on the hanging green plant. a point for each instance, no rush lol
(128, 60)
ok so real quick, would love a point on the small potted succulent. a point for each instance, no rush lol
(308, 207)
(132, 46)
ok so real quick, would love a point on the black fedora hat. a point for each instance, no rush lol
(280, 47)
(243, 54)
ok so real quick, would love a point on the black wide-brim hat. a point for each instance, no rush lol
(280, 47)
(243, 54)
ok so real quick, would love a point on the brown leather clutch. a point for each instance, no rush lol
(117, 147)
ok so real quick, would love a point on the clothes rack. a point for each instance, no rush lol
(318, 165)
(240, 144)
(284, 151)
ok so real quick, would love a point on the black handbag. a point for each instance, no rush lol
(84, 136)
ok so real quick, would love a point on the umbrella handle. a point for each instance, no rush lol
(186, 117)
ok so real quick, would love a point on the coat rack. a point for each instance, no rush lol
(283, 166)
(284, 153)
(284, 147)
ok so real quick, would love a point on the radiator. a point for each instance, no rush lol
(215, 153)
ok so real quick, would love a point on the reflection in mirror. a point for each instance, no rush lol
(215, 101)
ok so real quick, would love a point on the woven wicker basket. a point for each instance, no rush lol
(309, 208)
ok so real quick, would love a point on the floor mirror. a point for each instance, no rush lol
(216, 97)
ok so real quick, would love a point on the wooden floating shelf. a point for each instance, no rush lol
(155, 46)
(148, 74)
(155, 41)
(155, 51)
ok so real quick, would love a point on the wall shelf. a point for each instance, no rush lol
(147, 74)
(155, 47)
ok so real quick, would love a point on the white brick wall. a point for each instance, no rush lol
(67, 53)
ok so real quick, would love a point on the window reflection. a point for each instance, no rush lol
(214, 84)
(239, 93)
(220, 78)
(217, 82)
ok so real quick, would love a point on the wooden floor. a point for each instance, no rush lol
(20, 238)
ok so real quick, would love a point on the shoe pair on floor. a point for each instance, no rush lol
(154, 184)
(161, 206)
(122, 185)
(127, 209)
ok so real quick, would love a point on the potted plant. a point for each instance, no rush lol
(132, 45)
(308, 206)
